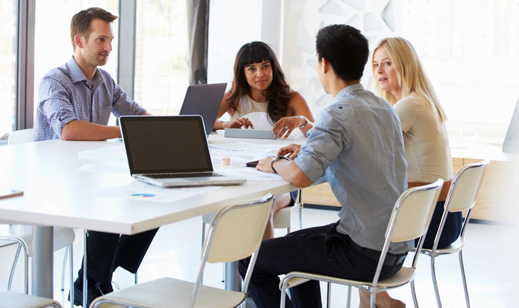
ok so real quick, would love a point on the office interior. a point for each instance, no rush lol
(469, 50)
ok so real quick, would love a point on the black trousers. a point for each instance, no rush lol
(107, 251)
(451, 229)
(319, 250)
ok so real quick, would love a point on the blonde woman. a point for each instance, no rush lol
(400, 79)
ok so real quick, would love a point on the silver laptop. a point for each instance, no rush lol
(204, 100)
(170, 151)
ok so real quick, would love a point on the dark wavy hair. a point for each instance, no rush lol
(277, 94)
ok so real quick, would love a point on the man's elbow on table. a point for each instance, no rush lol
(295, 176)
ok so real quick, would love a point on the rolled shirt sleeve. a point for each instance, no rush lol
(325, 142)
(55, 105)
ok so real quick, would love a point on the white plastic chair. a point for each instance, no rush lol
(20, 300)
(410, 219)
(281, 219)
(235, 233)
(462, 197)
(22, 235)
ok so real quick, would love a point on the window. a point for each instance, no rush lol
(53, 46)
(8, 44)
(470, 52)
(161, 68)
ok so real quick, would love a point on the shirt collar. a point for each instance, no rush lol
(349, 89)
(76, 74)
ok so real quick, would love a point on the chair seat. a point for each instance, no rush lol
(405, 275)
(174, 293)
(20, 300)
(452, 248)
(62, 236)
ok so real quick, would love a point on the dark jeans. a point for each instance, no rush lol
(319, 250)
(107, 251)
(451, 230)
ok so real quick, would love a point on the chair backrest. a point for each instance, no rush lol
(235, 233)
(21, 136)
(410, 219)
(462, 195)
(465, 186)
(413, 211)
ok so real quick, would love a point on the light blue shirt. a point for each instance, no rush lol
(65, 94)
(356, 144)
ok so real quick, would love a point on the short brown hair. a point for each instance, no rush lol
(80, 23)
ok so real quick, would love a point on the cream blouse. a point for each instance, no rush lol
(425, 139)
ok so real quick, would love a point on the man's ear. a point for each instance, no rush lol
(78, 40)
(325, 65)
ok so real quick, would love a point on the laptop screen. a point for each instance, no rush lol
(165, 144)
(204, 100)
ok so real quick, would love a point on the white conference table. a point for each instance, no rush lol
(58, 194)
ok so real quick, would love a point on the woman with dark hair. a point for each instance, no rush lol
(261, 98)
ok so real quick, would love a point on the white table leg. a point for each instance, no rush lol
(42, 261)
(232, 277)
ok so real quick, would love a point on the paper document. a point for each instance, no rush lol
(114, 152)
(249, 173)
(138, 190)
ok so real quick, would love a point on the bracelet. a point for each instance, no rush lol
(306, 122)
(275, 159)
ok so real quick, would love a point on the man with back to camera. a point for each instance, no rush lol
(357, 144)
(75, 102)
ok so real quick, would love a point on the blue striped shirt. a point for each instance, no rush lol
(65, 94)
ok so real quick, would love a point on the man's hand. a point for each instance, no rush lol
(265, 165)
(292, 149)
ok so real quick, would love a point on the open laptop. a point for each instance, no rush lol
(204, 100)
(170, 151)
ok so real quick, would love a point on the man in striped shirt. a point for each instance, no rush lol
(75, 102)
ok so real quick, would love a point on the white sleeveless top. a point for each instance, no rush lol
(425, 139)
(255, 112)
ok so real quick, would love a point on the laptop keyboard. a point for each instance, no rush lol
(182, 175)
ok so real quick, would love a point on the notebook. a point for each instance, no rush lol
(204, 100)
(170, 151)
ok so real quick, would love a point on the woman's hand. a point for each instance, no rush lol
(284, 127)
(238, 123)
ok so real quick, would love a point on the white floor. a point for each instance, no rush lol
(490, 262)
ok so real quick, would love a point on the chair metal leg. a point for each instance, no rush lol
(465, 288)
(348, 299)
(85, 271)
(329, 295)
(70, 249)
(203, 235)
(299, 203)
(136, 278)
(435, 282)
(413, 292)
(26, 270)
(13, 268)
(63, 269)
(372, 299)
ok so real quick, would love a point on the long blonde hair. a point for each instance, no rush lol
(411, 76)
